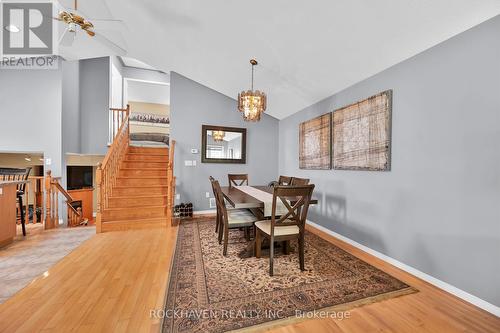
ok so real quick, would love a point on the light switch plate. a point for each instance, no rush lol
(178, 196)
(188, 163)
(207, 194)
(194, 162)
(48, 161)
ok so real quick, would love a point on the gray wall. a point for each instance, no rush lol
(30, 113)
(71, 107)
(192, 105)
(94, 105)
(438, 209)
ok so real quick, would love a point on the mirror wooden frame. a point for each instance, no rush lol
(243, 131)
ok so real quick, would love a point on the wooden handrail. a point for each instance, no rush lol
(171, 184)
(52, 190)
(107, 171)
(117, 118)
(61, 189)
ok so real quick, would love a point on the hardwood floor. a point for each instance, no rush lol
(112, 281)
(429, 310)
(107, 284)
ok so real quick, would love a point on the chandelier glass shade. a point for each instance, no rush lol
(252, 103)
(218, 136)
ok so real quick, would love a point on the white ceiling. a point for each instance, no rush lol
(139, 91)
(307, 50)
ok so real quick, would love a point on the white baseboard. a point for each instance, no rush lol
(204, 212)
(491, 308)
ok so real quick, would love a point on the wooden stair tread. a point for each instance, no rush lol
(141, 177)
(152, 219)
(148, 154)
(134, 208)
(126, 169)
(138, 196)
(145, 161)
(139, 186)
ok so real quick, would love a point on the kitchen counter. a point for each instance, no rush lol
(8, 190)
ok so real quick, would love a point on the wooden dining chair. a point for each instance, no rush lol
(231, 219)
(217, 216)
(287, 226)
(284, 180)
(237, 179)
(299, 181)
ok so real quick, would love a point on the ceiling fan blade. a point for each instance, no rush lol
(117, 50)
(67, 38)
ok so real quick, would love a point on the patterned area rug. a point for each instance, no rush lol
(212, 293)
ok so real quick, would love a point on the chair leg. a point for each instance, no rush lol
(258, 243)
(226, 236)
(221, 230)
(301, 252)
(286, 247)
(216, 222)
(271, 257)
(23, 225)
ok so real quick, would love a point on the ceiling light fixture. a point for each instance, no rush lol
(218, 136)
(252, 103)
(12, 28)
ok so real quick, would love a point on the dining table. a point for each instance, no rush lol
(239, 198)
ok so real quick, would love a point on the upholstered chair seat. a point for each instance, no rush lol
(240, 218)
(265, 227)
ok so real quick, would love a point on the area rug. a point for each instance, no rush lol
(212, 293)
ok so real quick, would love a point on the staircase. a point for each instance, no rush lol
(139, 197)
(135, 185)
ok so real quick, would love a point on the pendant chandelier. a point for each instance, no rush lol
(252, 103)
(218, 136)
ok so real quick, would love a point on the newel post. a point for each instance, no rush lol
(98, 180)
(48, 199)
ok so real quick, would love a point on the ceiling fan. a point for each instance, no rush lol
(76, 21)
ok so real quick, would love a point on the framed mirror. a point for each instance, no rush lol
(223, 144)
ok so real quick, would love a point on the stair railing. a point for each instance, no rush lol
(107, 171)
(171, 183)
(52, 190)
(117, 118)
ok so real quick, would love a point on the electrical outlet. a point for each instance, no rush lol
(212, 202)
(188, 163)
(207, 194)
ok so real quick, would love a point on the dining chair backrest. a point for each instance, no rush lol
(237, 179)
(284, 180)
(212, 179)
(219, 201)
(216, 194)
(296, 201)
(299, 181)
(16, 174)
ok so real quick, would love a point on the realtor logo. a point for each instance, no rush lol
(27, 28)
